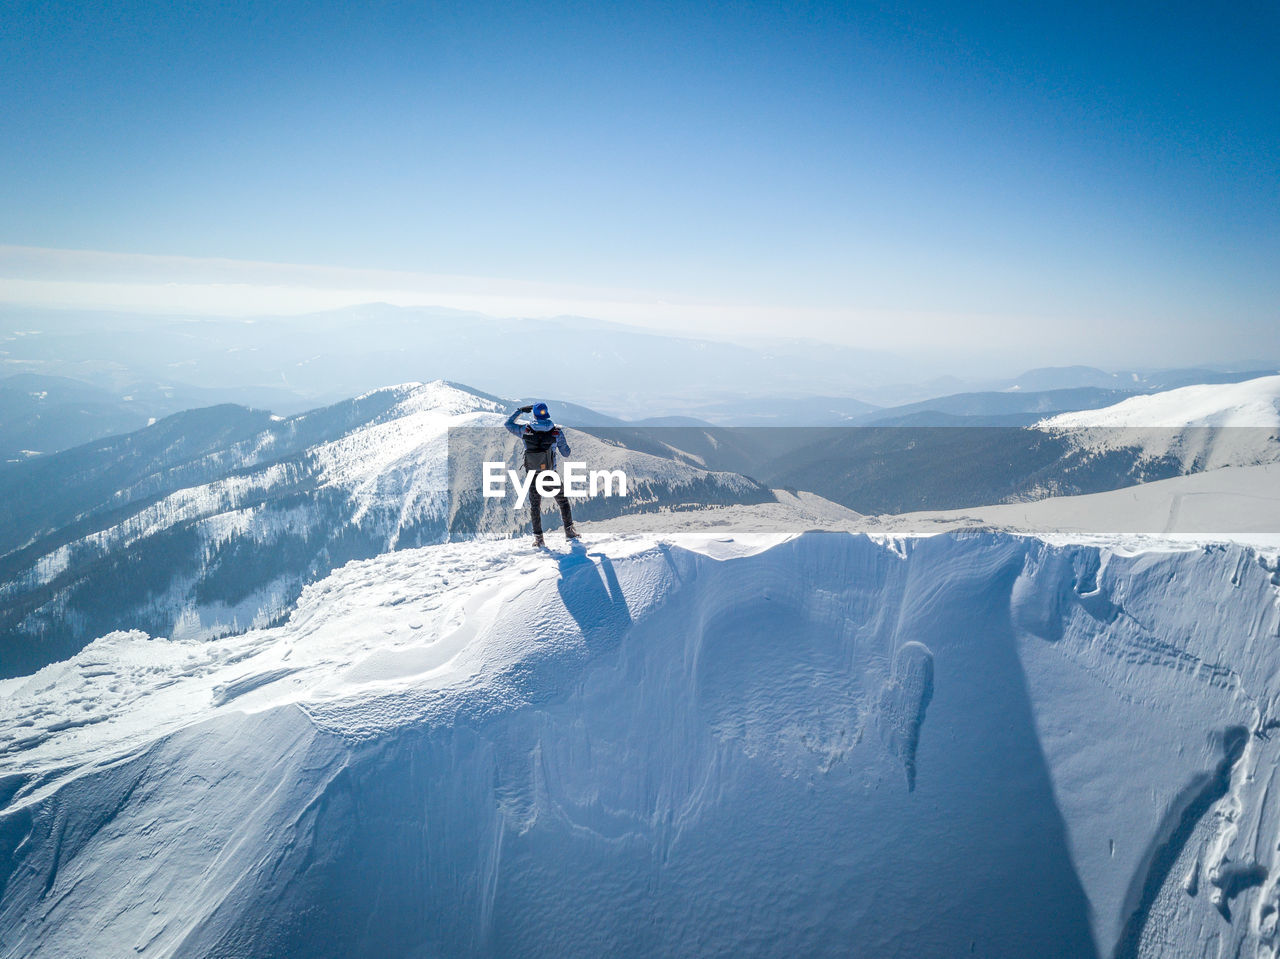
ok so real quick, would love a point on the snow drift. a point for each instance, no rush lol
(971, 743)
(212, 523)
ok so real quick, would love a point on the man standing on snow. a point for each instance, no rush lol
(541, 439)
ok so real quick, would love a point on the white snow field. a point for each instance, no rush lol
(1249, 403)
(1046, 729)
(288, 515)
(701, 744)
(1240, 503)
(1203, 427)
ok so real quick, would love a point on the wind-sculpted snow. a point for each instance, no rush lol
(695, 746)
(268, 514)
(903, 700)
(232, 550)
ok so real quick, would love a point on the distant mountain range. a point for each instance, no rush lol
(1011, 408)
(211, 521)
(145, 367)
(962, 451)
(323, 357)
(42, 414)
(1074, 377)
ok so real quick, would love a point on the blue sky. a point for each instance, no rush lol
(870, 173)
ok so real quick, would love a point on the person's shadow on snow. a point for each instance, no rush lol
(590, 591)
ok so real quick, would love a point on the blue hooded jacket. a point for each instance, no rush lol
(536, 426)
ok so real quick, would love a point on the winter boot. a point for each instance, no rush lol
(570, 532)
(538, 541)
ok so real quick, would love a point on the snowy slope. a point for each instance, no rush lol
(713, 743)
(1239, 503)
(225, 542)
(1199, 427)
(229, 547)
(1252, 403)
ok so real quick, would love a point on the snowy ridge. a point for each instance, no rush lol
(217, 507)
(1200, 427)
(205, 550)
(729, 739)
(211, 558)
(1251, 403)
(400, 459)
(696, 744)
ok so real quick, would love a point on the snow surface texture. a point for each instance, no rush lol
(712, 742)
(219, 556)
(205, 547)
(1203, 427)
(971, 743)
(369, 490)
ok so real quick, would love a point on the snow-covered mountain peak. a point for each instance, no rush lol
(400, 459)
(1202, 427)
(439, 396)
(1252, 403)
(210, 523)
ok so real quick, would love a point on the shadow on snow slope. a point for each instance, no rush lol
(718, 766)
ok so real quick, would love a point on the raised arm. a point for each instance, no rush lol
(512, 426)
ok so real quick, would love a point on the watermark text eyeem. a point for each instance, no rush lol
(577, 482)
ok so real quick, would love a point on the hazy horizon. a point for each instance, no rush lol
(1085, 185)
(290, 363)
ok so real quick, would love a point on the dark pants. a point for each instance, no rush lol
(535, 507)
